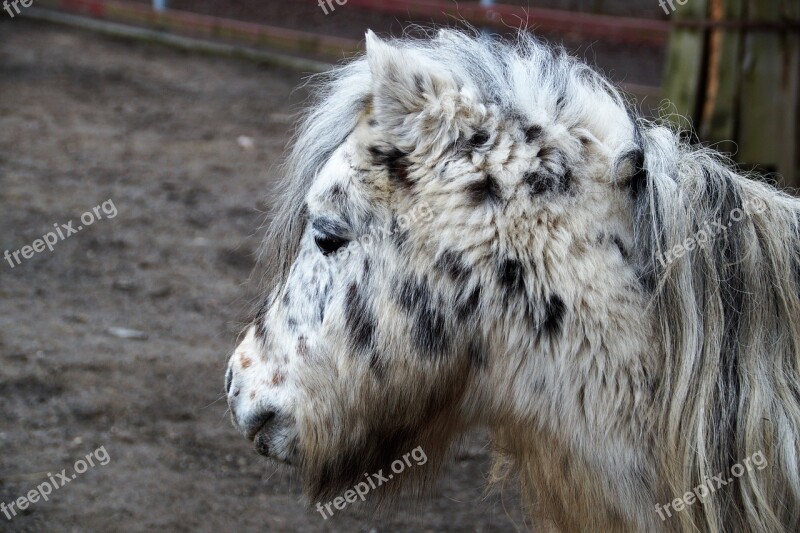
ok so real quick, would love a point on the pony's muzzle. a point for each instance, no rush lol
(255, 402)
(261, 425)
(249, 417)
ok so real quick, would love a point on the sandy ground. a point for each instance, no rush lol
(86, 119)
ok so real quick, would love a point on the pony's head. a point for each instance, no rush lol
(473, 232)
(449, 203)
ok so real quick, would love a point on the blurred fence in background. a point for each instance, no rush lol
(502, 17)
(732, 70)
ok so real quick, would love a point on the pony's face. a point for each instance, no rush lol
(441, 221)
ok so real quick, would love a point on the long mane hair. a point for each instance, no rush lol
(729, 323)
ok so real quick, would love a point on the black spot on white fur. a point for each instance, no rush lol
(396, 162)
(361, 324)
(338, 195)
(412, 295)
(484, 190)
(533, 133)
(540, 182)
(554, 314)
(428, 332)
(452, 264)
(553, 175)
(512, 276)
(566, 182)
(478, 139)
(468, 302)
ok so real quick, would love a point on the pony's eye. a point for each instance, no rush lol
(328, 244)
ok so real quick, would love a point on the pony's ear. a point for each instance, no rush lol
(414, 98)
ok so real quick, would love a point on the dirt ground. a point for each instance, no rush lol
(86, 119)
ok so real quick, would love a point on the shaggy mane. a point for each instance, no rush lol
(730, 331)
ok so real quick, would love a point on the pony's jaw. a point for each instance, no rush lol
(258, 395)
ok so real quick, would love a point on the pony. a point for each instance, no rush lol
(483, 232)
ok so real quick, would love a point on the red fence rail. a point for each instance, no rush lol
(546, 21)
(183, 22)
(550, 21)
(334, 48)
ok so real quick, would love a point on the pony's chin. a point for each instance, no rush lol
(279, 449)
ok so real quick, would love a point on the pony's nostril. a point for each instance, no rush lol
(228, 381)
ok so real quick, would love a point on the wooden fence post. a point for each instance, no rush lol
(719, 113)
(683, 85)
(733, 69)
